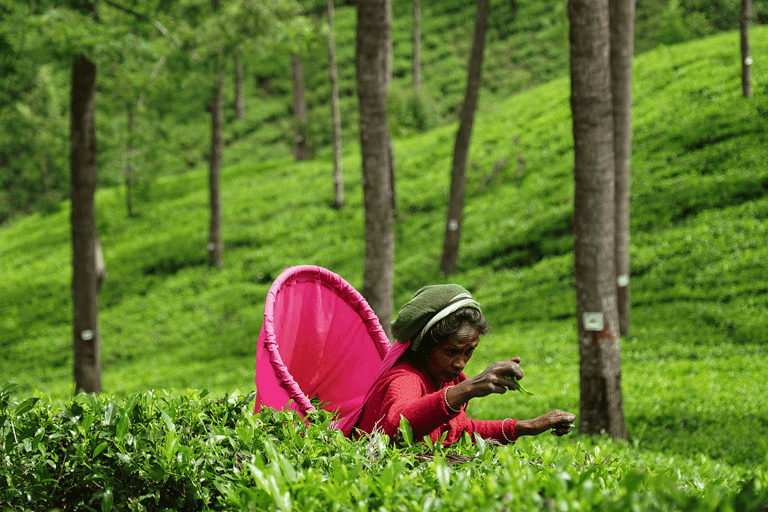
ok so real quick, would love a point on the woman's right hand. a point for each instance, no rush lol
(497, 378)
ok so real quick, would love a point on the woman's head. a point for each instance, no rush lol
(428, 306)
(447, 347)
(449, 326)
(443, 325)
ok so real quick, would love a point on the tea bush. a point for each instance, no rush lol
(160, 451)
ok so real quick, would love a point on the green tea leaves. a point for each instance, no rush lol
(521, 388)
(25, 406)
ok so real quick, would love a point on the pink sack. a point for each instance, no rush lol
(319, 338)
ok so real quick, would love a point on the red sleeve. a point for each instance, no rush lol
(404, 391)
(493, 429)
(406, 395)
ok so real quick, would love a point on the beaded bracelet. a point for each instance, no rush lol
(504, 433)
(447, 405)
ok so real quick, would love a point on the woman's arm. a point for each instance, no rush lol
(407, 395)
(497, 378)
(559, 421)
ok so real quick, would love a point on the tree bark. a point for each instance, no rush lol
(215, 244)
(591, 104)
(746, 58)
(388, 75)
(390, 43)
(461, 147)
(373, 32)
(622, 27)
(299, 109)
(239, 102)
(338, 181)
(416, 45)
(129, 171)
(87, 368)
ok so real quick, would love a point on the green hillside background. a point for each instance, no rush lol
(693, 373)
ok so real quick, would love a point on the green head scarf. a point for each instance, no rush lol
(428, 306)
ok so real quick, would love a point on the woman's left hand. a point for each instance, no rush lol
(558, 421)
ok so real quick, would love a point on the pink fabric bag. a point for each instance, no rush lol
(319, 338)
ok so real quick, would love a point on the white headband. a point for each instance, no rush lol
(458, 302)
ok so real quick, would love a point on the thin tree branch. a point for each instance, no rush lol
(152, 76)
(159, 26)
(127, 10)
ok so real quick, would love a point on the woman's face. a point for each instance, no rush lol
(446, 361)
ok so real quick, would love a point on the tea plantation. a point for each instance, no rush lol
(174, 428)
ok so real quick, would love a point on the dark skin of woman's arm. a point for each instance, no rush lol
(498, 378)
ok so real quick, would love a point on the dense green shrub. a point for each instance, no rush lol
(410, 111)
(160, 451)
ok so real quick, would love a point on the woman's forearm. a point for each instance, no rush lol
(458, 395)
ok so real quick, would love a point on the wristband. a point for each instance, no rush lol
(447, 405)
(504, 433)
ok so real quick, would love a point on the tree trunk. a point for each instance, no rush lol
(338, 182)
(239, 103)
(372, 40)
(746, 58)
(390, 43)
(622, 23)
(215, 244)
(591, 104)
(416, 45)
(129, 171)
(101, 266)
(87, 368)
(299, 109)
(388, 75)
(463, 136)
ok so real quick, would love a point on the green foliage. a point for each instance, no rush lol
(526, 46)
(32, 149)
(410, 111)
(691, 374)
(159, 451)
(672, 21)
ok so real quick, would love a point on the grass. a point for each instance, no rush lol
(693, 381)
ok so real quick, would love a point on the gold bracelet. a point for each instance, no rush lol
(504, 433)
(447, 405)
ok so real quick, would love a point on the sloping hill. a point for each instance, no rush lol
(699, 284)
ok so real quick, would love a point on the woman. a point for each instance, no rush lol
(422, 376)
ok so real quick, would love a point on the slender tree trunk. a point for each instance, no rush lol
(416, 44)
(87, 368)
(463, 136)
(622, 22)
(388, 76)
(746, 58)
(591, 104)
(391, 151)
(239, 103)
(338, 181)
(101, 266)
(372, 40)
(299, 109)
(129, 171)
(215, 244)
(390, 43)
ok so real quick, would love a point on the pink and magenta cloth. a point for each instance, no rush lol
(319, 338)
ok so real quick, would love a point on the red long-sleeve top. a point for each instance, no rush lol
(408, 391)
